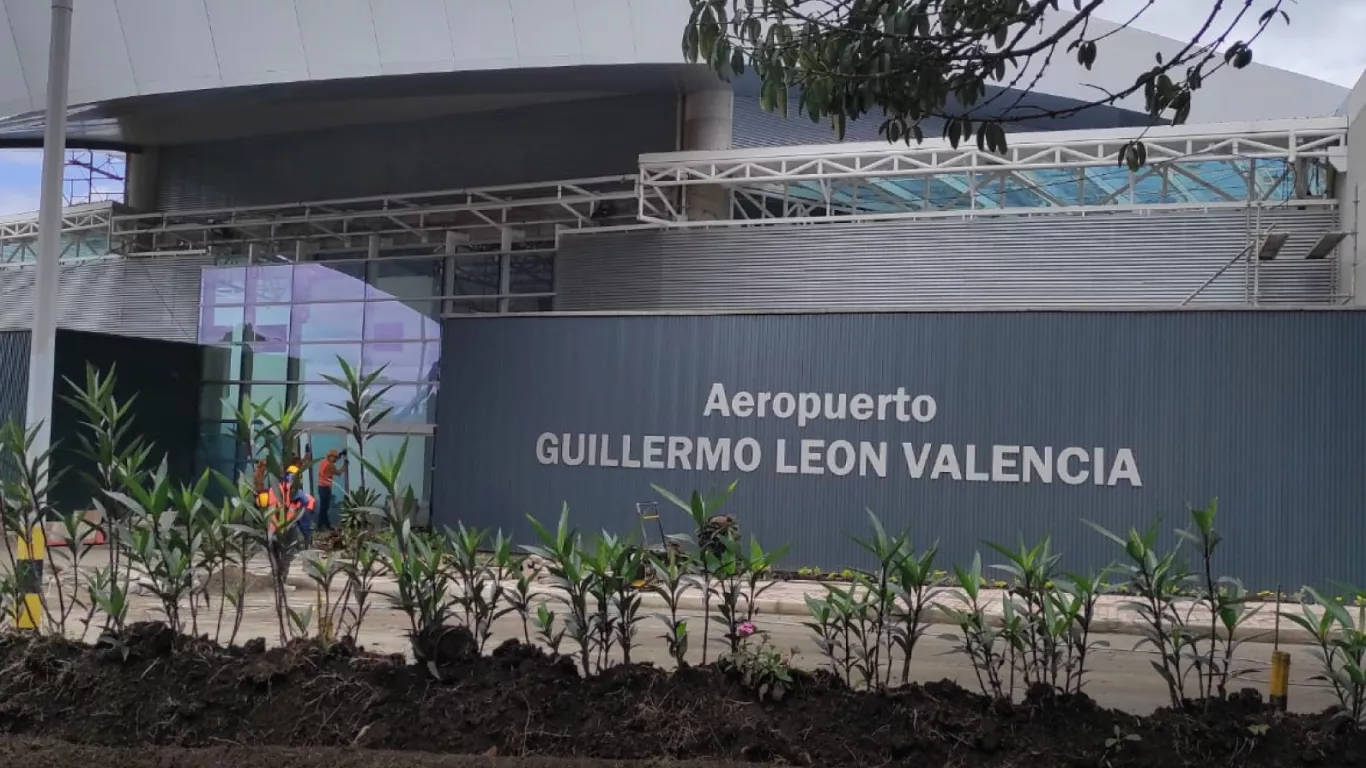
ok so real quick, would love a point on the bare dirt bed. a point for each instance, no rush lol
(29, 753)
(171, 691)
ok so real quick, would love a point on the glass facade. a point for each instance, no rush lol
(274, 330)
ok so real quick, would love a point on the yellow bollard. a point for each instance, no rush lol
(1280, 680)
(28, 610)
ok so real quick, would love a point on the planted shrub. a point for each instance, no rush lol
(1340, 647)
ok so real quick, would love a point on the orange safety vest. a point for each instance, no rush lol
(284, 514)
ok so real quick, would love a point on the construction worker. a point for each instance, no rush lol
(327, 474)
(290, 512)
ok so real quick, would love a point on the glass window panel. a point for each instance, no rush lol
(337, 281)
(220, 325)
(222, 363)
(329, 322)
(400, 321)
(319, 399)
(406, 362)
(411, 404)
(532, 273)
(267, 362)
(417, 460)
(476, 274)
(267, 323)
(406, 279)
(318, 360)
(226, 285)
(270, 284)
(218, 402)
(270, 396)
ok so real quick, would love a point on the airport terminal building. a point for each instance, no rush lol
(587, 267)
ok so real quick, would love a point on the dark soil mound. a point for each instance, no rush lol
(43, 754)
(519, 701)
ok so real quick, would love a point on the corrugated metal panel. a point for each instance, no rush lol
(1261, 409)
(993, 262)
(589, 138)
(14, 348)
(13, 375)
(155, 299)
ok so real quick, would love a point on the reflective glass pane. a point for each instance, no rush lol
(271, 396)
(417, 460)
(400, 321)
(270, 284)
(220, 325)
(267, 362)
(411, 404)
(222, 363)
(318, 360)
(329, 322)
(226, 285)
(218, 402)
(476, 274)
(406, 279)
(406, 362)
(319, 401)
(533, 273)
(338, 281)
(267, 323)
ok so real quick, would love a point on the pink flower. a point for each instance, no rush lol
(745, 629)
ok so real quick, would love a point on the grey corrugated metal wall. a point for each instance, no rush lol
(149, 298)
(14, 348)
(1100, 259)
(1262, 409)
(13, 375)
(599, 137)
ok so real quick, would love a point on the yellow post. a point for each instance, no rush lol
(1280, 680)
(28, 609)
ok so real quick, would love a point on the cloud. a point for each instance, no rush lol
(1323, 39)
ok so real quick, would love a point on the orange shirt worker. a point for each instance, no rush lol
(327, 475)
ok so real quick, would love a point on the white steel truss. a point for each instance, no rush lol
(483, 218)
(487, 216)
(85, 233)
(1188, 166)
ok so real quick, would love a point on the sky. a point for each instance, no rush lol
(1323, 40)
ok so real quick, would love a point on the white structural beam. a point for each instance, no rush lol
(43, 342)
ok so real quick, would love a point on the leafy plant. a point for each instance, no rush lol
(1038, 641)
(671, 583)
(361, 406)
(977, 638)
(562, 550)
(1157, 580)
(762, 668)
(1340, 647)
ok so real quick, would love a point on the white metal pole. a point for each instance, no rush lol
(41, 369)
